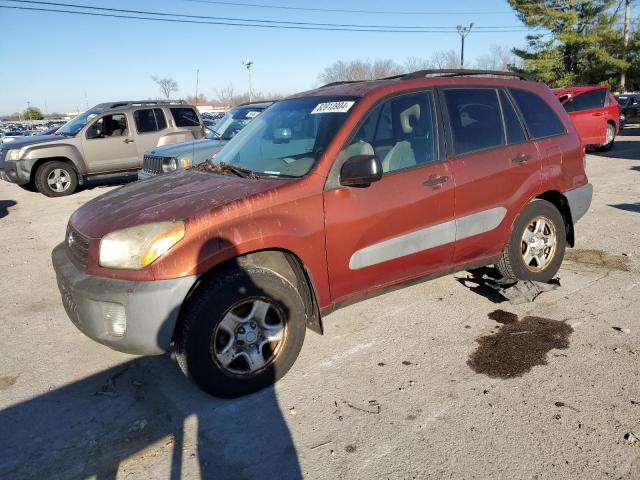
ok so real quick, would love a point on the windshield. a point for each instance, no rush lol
(289, 138)
(622, 100)
(233, 122)
(72, 127)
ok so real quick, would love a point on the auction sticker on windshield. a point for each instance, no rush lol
(333, 107)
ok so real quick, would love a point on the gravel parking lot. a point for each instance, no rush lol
(440, 380)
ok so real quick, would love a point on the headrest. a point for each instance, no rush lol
(413, 112)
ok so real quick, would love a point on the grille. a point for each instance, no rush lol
(77, 245)
(152, 164)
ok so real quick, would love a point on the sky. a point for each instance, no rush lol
(62, 62)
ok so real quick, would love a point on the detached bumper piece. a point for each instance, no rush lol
(130, 316)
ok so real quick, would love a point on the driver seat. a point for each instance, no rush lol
(402, 154)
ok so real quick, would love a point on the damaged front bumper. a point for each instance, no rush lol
(137, 317)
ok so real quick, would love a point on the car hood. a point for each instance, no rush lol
(20, 142)
(186, 148)
(176, 196)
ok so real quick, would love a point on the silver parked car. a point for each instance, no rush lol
(173, 157)
(105, 143)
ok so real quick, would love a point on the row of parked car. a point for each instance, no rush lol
(127, 140)
(111, 141)
(326, 197)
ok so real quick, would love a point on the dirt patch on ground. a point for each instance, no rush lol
(598, 259)
(517, 347)
(6, 382)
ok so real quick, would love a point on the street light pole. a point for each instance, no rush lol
(248, 63)
(626, 30)
(197, 79)
(463, 31)
(29, 112)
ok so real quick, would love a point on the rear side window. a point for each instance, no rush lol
(540, 119)
(476, 122)
(185, 117)
(586, 101)
(149, 120)
(515, 132)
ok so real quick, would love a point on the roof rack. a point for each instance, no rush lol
(128, 103)
(457, 72)
(441, 73)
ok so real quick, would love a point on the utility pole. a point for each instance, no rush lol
(197, 78)
(627, 28)
(248, 63)
(463, 31)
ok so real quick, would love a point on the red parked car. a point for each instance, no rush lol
(595, 113)
(328, 196)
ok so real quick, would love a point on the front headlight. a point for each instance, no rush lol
(169, 165)
(13, 154)
(136, 247)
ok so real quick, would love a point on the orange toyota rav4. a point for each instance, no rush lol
(327, 197)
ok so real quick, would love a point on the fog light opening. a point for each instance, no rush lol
(115, 318)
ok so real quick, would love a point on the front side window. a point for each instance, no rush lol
(540, 119)
(400, 133)
(476, 122)
(288, 138)
(72, 127)
(114, 125)
(185, 117)
(586, 101)
(149, 120)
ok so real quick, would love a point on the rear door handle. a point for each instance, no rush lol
(522, 158)
(128, 140)
(436, 182)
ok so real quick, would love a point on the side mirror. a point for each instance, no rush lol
(360, 171)
(94, 131)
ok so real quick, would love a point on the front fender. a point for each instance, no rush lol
(58, 150)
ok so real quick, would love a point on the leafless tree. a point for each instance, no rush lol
(413, 64)
(445, 59)
(167, 85)
(498, 58)
(342, 71)
(201, 100)
(225, 95)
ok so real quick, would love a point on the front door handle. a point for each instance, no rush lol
(128, 140)
(522, 158)
(598, 114)
(436, 182)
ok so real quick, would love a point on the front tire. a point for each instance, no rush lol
(537, 244)
(56, 179)
(241, 332)
(609, 139)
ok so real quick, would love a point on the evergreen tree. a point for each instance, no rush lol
(579, 42)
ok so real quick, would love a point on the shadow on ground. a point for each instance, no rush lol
(119, 417)
(5, 205)
(629, 207)
(477, 283)
(145, 416)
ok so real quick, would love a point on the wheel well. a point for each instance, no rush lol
(561, 203)
(283, 263)
(42, 161)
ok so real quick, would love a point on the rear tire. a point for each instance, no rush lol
(56, 179)
(611, 138)
(537, 244)
(241, 332)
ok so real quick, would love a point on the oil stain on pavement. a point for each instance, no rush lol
(597, 259)
(518, 346)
